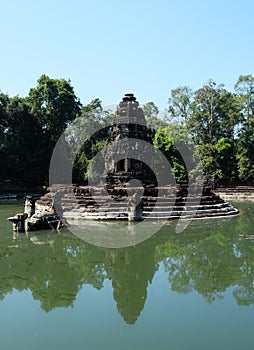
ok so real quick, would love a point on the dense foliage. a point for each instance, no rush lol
(219, 122)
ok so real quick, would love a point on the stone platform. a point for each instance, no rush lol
(97, 203)
(238, 193)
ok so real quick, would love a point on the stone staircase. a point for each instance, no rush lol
(97, 203)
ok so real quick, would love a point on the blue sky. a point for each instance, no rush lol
(107, 48)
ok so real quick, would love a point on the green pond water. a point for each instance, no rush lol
(193, 290)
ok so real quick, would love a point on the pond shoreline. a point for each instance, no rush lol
(10, 190)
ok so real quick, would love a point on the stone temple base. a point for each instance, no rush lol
(97, 203)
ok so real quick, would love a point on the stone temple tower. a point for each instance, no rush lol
(130, 186)
(123, 164)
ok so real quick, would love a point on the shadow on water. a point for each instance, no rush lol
(208, 257)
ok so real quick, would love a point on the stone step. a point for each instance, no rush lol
(148, 207)
(189, 213)
(165, 210)
(108, 215)
(182, 207)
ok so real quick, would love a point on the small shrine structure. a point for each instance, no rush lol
(128, 189)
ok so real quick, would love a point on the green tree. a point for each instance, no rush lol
(177, 133)
(218, 159)
(91, 135)
(151, 112)
(53, 105)
(4, 161)
(4, 100)
(214, 114)
(179, 104)
(150, 109)
(22, 138)
(225, 158)
(206, 152)
(165, 144)
(245, 90)
(245, 154)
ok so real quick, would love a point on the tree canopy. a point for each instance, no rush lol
(218, 121)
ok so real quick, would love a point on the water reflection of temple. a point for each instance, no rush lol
(131, 270)
(208, 259)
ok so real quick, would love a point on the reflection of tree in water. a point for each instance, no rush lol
(205, 266)
(244, 249)
(206, 258)
(43, 269)
(211, 261)
(57, 266)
